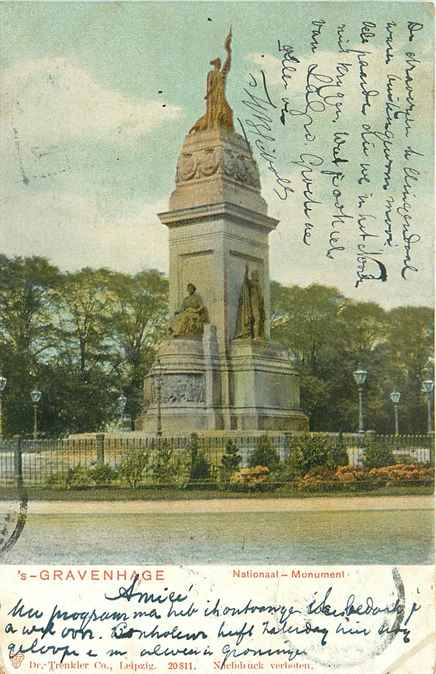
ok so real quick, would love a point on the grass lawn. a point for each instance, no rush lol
(171, 494)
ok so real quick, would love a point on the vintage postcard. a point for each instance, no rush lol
(217, 337)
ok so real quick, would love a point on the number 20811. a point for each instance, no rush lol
(181, 666)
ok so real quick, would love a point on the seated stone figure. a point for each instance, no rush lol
(189, 320)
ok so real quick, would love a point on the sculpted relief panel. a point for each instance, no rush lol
(180, 388)
(206, 162)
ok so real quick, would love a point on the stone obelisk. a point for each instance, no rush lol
(218, 369)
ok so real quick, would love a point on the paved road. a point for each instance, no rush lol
(326, 504)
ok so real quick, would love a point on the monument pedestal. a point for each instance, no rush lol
(254, 388)
(265, 390)
(177, 385)
(230, 376)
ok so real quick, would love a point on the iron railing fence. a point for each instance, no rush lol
(419, 448)
(103, 458)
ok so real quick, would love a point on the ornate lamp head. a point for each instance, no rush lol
(395, 397)
(121, 400)
(427, 386)
(360, 376)
(35, 396)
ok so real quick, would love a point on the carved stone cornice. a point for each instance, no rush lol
(233, 212)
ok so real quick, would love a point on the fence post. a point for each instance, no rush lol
(432, 441)
(99, 441)
(369, 438)
(19, 462)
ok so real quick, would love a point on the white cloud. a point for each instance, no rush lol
(292, 262)
(75, 231)
(327, 61)
(271, 65)
(56, 99)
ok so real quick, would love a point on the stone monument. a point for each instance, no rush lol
(218, 368)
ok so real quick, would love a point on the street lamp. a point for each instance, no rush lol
(35, 396)
(360, 377)
(158, 386)
(3, 382)
(122, 400)
(395, 397)
(427, 388)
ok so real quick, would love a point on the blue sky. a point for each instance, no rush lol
(99, 97)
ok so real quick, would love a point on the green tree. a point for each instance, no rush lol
(84, 336)
(307, 321)
(28, 305)
(86, 306)
(138, 322)
(133, 464)
(411, 340)
(378, 455)
(264, 454)
(329, 336)
(84, 355)
(309, 451)
(200, 466)
(162, 462)
(231, 459)
(169, 465)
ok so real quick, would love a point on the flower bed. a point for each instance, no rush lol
(349, 474)
(402, 472)
(317, 479)
(251, 479)
(350, 478)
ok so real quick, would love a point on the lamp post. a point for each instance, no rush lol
(3, 382)
(360, 377)
(35, 397)
(158, 400)
(121, 401)
(395, 397)
(427, 388)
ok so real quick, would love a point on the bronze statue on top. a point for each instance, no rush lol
(218, 111)
(189, 320)
(250, 321)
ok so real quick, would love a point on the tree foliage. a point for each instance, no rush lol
(83, 337)
(329, 336)
(309, 452)
(200, 467)
(138, 316)
(376, 456)
(231, 459)
(80, 337)
(264, 454)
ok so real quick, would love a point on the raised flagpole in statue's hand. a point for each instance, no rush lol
(228, 48)
(228, 41)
